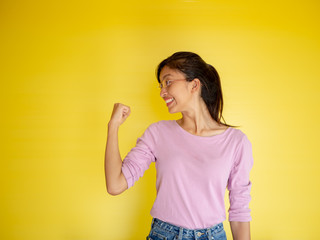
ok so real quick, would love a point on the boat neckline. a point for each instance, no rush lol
(203, 137)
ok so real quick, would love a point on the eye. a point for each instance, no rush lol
(168, 82)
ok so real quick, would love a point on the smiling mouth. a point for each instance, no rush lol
(169, 100)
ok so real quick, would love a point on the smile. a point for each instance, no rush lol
(169, 100)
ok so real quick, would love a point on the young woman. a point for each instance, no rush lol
(196, 157)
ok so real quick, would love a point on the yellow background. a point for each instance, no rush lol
(65, 63)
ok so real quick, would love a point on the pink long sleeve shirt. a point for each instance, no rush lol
(193, 173)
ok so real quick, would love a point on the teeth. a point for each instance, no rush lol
(170, 100)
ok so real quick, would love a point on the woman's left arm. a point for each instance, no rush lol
(240, 230)
(239, 186)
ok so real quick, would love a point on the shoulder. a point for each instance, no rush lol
(155, 130)
(160, 128)
(243, 148)
(238, 133)
(239, 136)
(163, 124)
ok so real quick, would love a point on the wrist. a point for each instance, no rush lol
(112, 124)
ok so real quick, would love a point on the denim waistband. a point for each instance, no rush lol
(185, 231)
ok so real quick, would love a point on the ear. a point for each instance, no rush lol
(195, 84)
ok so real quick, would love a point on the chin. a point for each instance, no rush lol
(172, 111)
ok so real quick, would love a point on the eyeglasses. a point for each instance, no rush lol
(168, 82)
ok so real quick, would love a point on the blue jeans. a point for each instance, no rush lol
(165, 231)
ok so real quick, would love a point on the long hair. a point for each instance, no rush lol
(193, 66)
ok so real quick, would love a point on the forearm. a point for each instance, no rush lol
(113, 161)
(240, 230)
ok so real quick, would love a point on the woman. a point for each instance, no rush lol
(196, 157)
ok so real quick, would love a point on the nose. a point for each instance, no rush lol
(163, 92)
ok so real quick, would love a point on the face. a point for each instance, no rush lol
(176, 89)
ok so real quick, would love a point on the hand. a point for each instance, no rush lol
(119, 114)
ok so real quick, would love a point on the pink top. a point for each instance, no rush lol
(193, 173)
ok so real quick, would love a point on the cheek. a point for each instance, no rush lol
(175, 94)
(179, 94)
(177, 90)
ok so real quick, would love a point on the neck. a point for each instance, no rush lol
(197, 119)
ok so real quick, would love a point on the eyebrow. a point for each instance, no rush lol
(166, 76)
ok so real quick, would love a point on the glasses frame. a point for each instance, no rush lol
(160, 86)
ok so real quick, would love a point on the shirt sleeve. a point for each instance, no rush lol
(239, 184)
(138, 160)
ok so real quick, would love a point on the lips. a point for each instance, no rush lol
(169, 100)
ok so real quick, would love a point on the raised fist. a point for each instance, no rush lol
(119, 114)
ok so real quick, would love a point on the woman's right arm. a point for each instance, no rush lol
(116, 183)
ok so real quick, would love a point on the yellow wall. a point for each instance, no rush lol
(64, 65)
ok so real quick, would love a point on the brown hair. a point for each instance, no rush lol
(193, 66)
